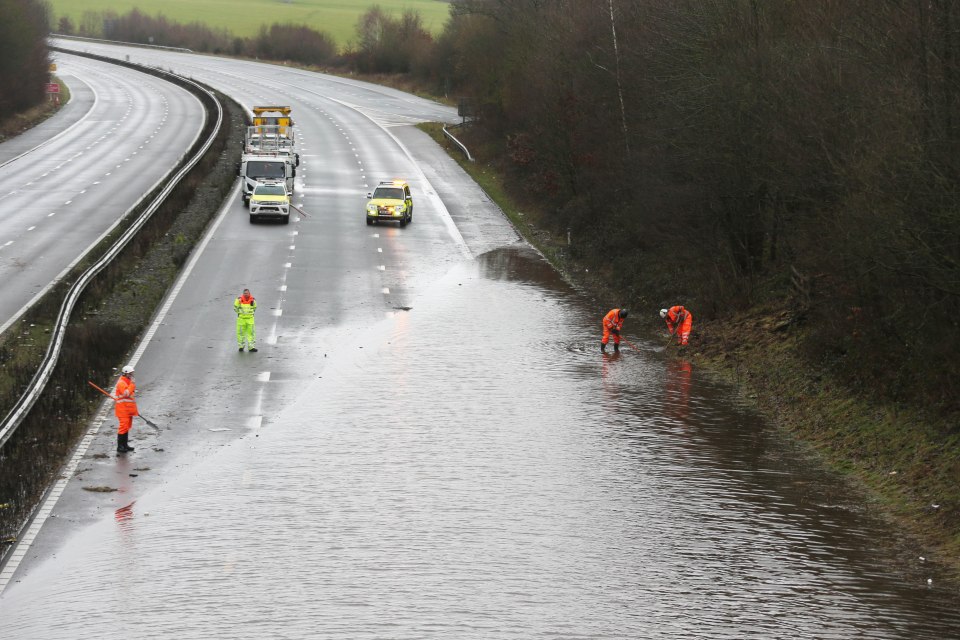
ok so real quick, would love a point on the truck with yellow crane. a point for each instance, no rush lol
(274, 115)
(269, 150)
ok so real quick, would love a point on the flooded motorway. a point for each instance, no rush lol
(474, 468)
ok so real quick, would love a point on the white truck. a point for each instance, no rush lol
(268, 150)
(259, 167)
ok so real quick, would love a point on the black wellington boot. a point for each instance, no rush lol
(616, 348)
(122, 443)
(603, 348)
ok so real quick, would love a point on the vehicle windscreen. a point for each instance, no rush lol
(264, 169)
(270, 190)
(388, 193)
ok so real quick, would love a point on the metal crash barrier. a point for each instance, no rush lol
(39, 381)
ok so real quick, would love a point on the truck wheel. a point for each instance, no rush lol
(286, 220)
(253, 218)
(369, 222)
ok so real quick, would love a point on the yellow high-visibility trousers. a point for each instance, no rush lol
(246, 332)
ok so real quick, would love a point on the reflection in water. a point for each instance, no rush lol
(493, 484)
(610, 387)
(676, 397)
(124, 515)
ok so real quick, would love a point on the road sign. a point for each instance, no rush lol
(53, 87)
(467, 107)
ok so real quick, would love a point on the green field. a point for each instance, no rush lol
(244, 17)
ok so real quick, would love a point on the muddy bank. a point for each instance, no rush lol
(903, 460)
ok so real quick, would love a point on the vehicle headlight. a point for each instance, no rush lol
(371, 208)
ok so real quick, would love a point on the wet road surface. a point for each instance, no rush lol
(428, 444)
(474, 468)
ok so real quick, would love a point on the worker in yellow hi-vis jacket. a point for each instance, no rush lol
(245, 305)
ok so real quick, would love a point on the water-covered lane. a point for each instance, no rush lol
(476, 469)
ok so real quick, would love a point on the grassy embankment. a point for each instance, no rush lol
(901, 459)
(20, 122)
(243, 18)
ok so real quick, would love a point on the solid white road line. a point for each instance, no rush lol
(46, 508)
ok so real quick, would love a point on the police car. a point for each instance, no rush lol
(390, 201)
(270, 200)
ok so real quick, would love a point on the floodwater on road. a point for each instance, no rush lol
(479, 470)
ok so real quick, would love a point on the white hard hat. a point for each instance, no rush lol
(127, 369)
(663, 313)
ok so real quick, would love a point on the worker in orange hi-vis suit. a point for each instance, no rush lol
(679, 322)
(612, 324)
(125, 407)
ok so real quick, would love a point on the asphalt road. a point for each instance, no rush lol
(429, 444)
(322, 283)
(65, 184)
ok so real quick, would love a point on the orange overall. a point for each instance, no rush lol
(125, 407)
(679, 321)
(612, 323)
